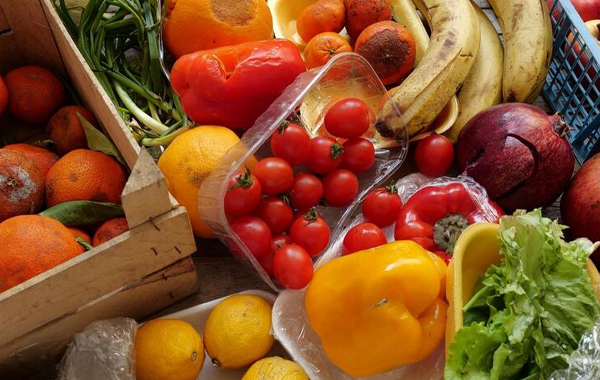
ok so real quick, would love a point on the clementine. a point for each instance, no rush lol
(193, 25)
(21, 185)
(390, 49)
(79, 233)
(32, 244)
(85, 175)
(323, 47)
(322, 16)
(110, 229)
(3, 96)
(35, 93)
(42, 158)
(65, 130)
(362, 13)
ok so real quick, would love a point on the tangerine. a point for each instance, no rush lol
(323, 47)
(35, 93)
(322, 16)
(110, 229)
(65, 130)
(41, 157)
(362, 13)
(85, 175)
(194, 25)
(79, 233)
(21, 185)
(32, 244)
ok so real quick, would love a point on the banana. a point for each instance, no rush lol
(405, 14)
(445, 65)
(527, 47)
(483, 86)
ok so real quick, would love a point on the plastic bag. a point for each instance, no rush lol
(584, 363)
(103, 351)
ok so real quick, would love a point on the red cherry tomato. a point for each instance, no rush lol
(292, 266)
(307, 191)
(325, 155)
(266, 261)
(243, 194)
(311, 232)
(434, 155)
(348, 118)
(340, 187)
(254, 233)
(275, 175)
(363, 236)
(382, 206)
(359, 155)
(277, 213)
(291, 143)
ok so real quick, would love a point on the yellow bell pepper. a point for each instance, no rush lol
(379, 309)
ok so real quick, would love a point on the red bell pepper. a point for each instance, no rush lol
(232, 86)
(435, 216)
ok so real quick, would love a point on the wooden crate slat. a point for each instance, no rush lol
(63, 289)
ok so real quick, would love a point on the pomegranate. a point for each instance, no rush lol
(580, 205)
(518, 153)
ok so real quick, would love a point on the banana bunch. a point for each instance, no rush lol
(465, 59)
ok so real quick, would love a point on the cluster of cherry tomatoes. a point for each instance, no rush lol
(272, 207)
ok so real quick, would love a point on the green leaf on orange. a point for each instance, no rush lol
(97, 141)
(83, 213)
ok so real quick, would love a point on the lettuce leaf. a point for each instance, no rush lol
(529, 312)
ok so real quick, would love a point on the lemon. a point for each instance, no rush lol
(238, 331)
(275, 368)
(168, 349)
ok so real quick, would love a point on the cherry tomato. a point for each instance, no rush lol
(363, 236)
(340, 187)
(275, 175)
(325, 155)
(266, 261)
(359, 155)
(445, 256)
(291, 143)
(382, 206)
(292, 266)
(243, 194)
(434, 155)
(311, 232)
(307, 191)
(348, 118)
(277, 213)
(254, 233)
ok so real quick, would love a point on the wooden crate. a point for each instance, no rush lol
(134, 274)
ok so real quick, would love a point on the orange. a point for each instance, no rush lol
(323, 47)
(193, 25)
(168, 349)
(32, 244)
(35, 93)
(42, 158)
(85, 175)
(390, 49)
(65, 130)
(3, 96)
(362, 13)
(21, 185)
(79, 233)
(188, 160)
(110, 229)
(322, 16)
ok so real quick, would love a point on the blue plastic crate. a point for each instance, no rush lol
(572, 87)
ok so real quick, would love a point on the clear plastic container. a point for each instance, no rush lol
(304, 102)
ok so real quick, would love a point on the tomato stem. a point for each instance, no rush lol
(312, 215)
(336, 150)
(392, 188)
(283, 126)
(243, 180)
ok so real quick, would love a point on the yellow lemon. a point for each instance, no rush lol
(188, 160)
(238, 331)
(168, 349)
(275, 368)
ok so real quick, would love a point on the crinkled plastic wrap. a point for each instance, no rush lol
(305, 101)
(103, 351)
(584, 363)
(291, 325)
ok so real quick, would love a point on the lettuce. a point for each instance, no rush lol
(529, 312)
